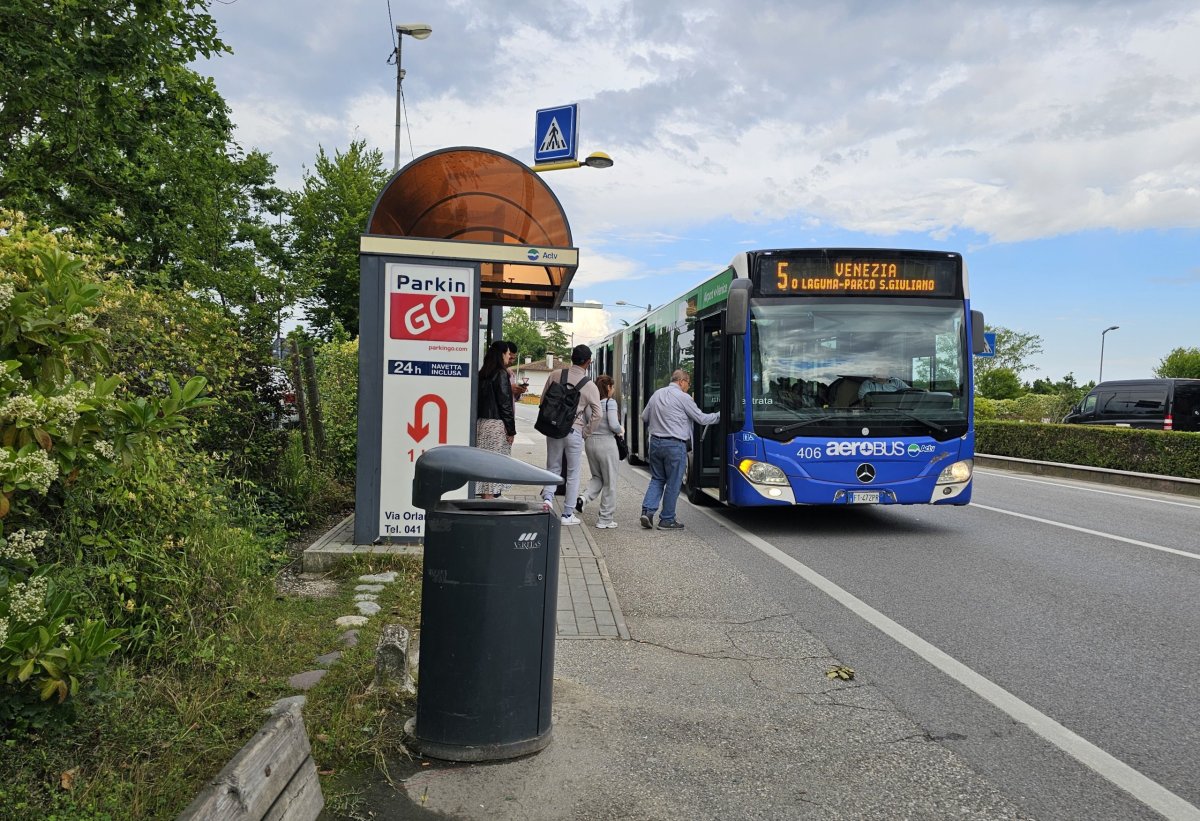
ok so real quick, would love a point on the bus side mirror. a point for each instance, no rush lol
(978, 343)
(737, 307)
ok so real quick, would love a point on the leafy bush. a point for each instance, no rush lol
(307, 487)
(153, 334)
(337, 383)
(1166, 453)
(164, 552)
(1030, 407)
(60, 418)
(46, 647)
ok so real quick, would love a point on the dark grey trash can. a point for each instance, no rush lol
(488, 600)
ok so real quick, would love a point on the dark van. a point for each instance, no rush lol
(1157, 404)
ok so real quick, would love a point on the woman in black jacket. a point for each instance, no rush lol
(495, 423)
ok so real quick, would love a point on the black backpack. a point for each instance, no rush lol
(560, 404)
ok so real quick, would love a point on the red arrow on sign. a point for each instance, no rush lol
(417, 429)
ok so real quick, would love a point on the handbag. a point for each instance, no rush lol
(622, 448)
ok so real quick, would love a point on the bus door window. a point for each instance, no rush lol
(709, 379)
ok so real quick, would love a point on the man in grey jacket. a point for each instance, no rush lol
(571, 446)
(668, 416)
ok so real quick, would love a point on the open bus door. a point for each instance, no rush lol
(705, 475)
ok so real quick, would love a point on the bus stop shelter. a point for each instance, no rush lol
(453, 234)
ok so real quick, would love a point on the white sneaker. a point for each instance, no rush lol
(570, 520)
(603, 525)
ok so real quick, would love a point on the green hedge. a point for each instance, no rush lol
(1032, 407)
(1167, 453)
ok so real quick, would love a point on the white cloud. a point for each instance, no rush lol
(1017, 123)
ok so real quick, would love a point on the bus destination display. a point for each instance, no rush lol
(859, 276)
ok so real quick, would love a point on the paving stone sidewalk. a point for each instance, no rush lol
(587, 603)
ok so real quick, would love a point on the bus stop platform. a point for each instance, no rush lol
(587, 603)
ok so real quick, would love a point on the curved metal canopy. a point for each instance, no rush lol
(481, 196)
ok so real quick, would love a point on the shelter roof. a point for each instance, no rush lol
(482, 196)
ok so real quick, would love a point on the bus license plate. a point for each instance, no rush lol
(864, 498)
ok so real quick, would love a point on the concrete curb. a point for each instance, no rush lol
(338, 544)
(1121, 478)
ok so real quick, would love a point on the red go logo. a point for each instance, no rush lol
(440, 318)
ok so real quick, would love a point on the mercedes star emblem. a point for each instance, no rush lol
(865, 473)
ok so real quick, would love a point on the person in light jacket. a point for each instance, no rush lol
(601, 450)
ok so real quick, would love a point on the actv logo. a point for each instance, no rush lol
(440, 317)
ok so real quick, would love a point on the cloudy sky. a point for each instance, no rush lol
(1055, 144)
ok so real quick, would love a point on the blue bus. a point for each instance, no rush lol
(842, 376)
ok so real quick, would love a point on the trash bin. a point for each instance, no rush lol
(488, 599)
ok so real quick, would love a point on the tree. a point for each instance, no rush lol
(1181, 363)
(519, 329)
(556, 340)
(1014, 350)
(105, 130)
(328, 217)
(999, 383)
(1067, 388)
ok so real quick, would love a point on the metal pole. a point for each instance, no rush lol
(399, 80)
(1102, 335)
(301, 403)
(314, 402)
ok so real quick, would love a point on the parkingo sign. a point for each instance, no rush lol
(430, 308)
(427, 387)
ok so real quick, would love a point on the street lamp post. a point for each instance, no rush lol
(1102, 333)
(417, 31)
(597, 159)
(631, 305)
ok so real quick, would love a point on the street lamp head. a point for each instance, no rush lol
(631, 305)
(598, 159)
(1110, 328)
(417, 31)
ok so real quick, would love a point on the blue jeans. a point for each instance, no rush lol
(668, 458)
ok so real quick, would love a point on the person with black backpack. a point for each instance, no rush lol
(568, 413)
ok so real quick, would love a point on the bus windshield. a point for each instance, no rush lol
(858, 367)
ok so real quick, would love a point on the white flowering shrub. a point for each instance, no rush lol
(60, 416)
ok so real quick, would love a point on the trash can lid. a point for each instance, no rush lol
(447, 467)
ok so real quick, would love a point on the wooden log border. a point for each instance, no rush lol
(272, 777)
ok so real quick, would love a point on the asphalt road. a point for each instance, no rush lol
(1071, 608)
(1032, 655)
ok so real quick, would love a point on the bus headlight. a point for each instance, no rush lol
(762, 473)
(958, 472)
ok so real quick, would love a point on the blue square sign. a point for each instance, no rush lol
(989, 340)
(554, 134)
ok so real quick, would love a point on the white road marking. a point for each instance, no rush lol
(1114, 770)
(1074, 486)
(1101, 534)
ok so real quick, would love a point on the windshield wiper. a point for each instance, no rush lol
(796, 425)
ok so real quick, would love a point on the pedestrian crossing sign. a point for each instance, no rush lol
(989, 342)
(555, 132)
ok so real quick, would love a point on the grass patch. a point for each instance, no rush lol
(148, 741)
